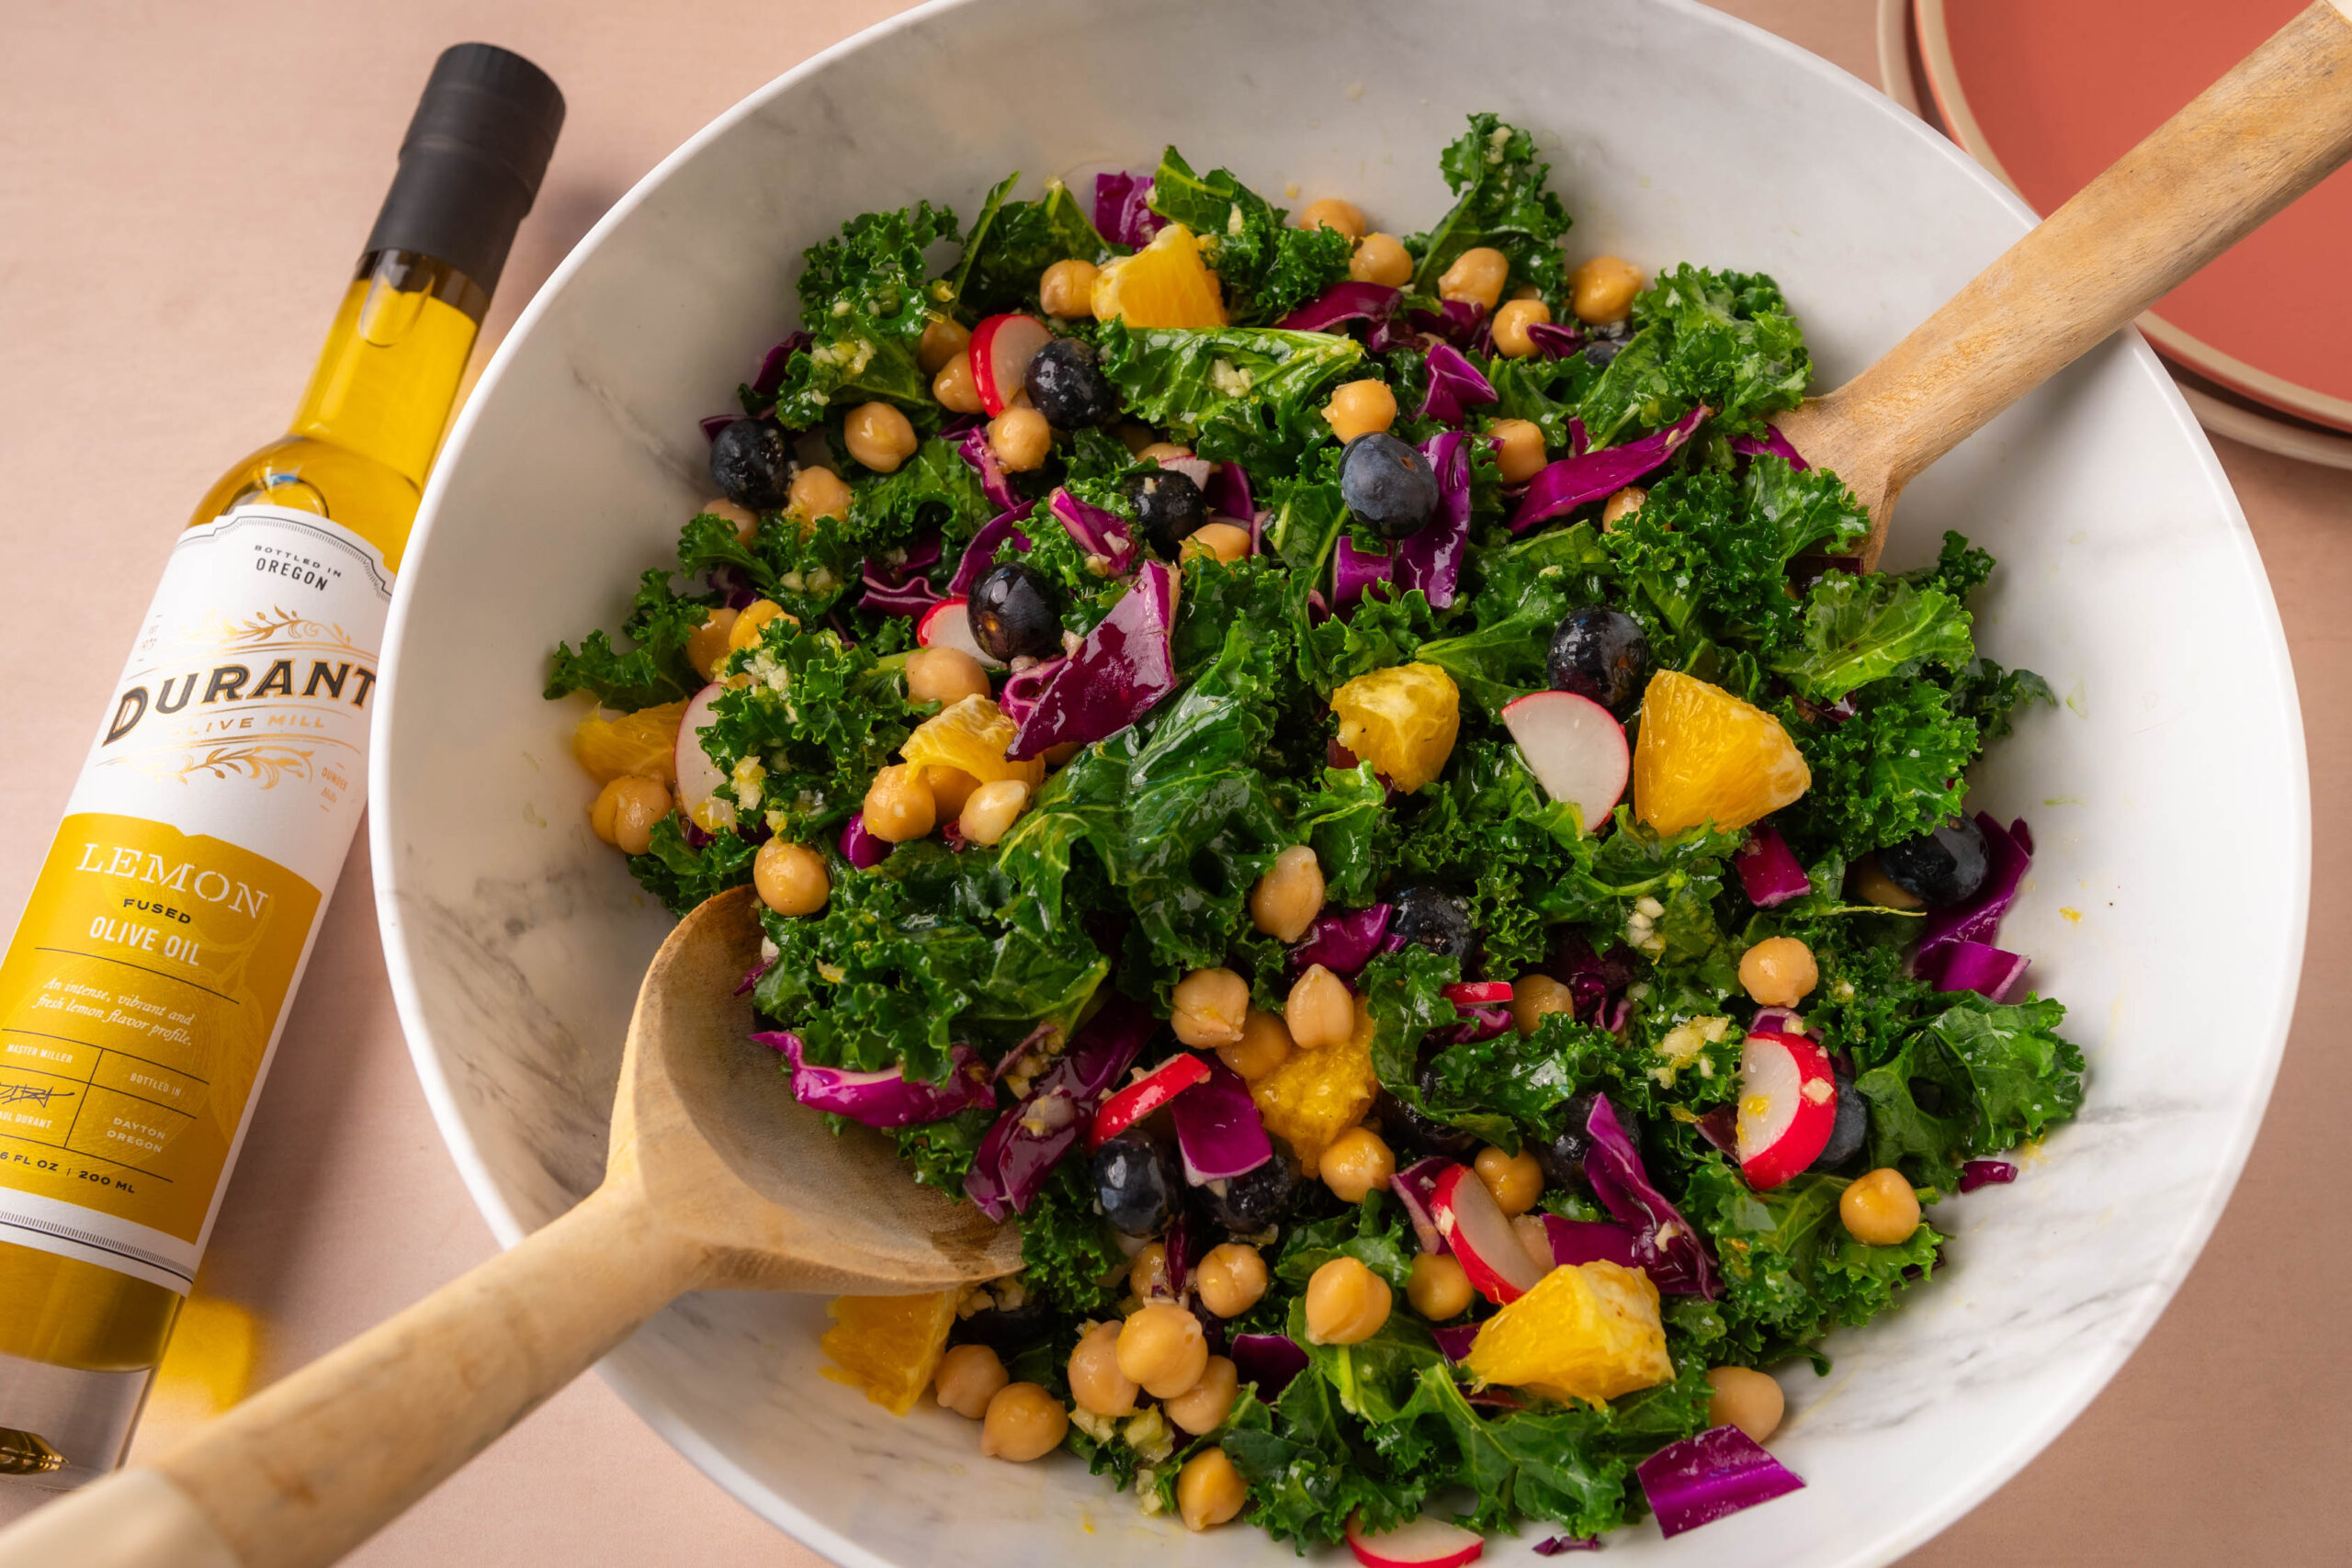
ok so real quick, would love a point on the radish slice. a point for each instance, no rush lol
(1001, 348)
(1479, 993)
(1574, 748)
(1489, 1250)
(948, 624)
(1424, 1543)
(697, 774)
(1144, 1096)
(1787, 1107)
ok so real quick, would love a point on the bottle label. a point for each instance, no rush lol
(142, 992)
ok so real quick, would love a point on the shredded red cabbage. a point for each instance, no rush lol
(981, 554)
(1720, 1127)
(753, 979)
(774, 365)
(1975, 966)
(1118, 672)
(1343, 942)
(1589, 1241)
(1567, 484)
(1453, 1339)
(1456, 321)
(1580, 438)
(1096, 531)
(1021, 1149)
(1560, 1543)
(1430, 559)
(1414, 1186)
(1978, 919)
(1710, 1477)
(1217, 1130)
(1979, 1173)
(1018, 697)
(1356, 572)
(1229, 493)
(1555, 340)
(860, 848)
(1771, 441)
(1041, 1038)
(1593, 978)
(1454, 385)
(1768, 868)
(902, 589)
(972, 445)
(1269, 1360)
(883, 1098)
(1666, 1245)
(1122, 210)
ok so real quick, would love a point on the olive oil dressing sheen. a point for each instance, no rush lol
(143, 989)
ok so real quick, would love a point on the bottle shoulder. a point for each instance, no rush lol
(372, 498)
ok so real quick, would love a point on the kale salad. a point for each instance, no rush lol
(1356, 789)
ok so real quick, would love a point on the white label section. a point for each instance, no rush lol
(244, 710)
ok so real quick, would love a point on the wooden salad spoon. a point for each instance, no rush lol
(2273, 128)
(717, 1180)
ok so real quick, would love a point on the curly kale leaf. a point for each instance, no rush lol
(1500, 201)
(1890, 772)
(1982, 691)
(1375, 1233)
(656, 669)
(1309, 1467)
(1405, 993)
(681, 876)
(941, 1153)
(1975, 1079)
(1345, 818)
(1724, 339)
(807, 570)
(933, 489)
(1486, 830)
(1068, 1253)
(864, 296)
(1547, 393)
(1251, 395)
(1859, 629)
(1012, 243)
(1508, 1087)
(819, 718)
(1267, 270)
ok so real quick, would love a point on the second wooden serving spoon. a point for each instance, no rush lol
(718, 1180)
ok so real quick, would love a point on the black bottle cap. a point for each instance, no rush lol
(471, 160)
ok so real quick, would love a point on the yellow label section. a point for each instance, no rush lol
(136, 1004)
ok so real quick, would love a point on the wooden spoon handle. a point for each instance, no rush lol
(2276, 126)
(310, 1467)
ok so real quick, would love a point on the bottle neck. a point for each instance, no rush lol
(390, 372)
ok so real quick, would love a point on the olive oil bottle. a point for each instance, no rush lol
(142, 992)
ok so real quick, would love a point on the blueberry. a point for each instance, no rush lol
(1424, 1138)
(1943, 867)
(1432, 917)
(1169, 507)
(1603, 343)
(1600, 653)
(1006, 1329)
(753, 463)
(1853, 1124)
(1255, 1199)
(1563, 1158)
(1599, 351)
(1136, 1182)
(1012, 614)
(1066, 387)
(1388, 485)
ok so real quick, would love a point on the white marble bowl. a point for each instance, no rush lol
(2167, 793)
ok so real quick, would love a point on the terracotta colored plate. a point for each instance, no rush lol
(2047, 93)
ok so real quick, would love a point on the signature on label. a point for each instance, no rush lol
(27, 1094)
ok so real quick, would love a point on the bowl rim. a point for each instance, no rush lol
(2022, 1443)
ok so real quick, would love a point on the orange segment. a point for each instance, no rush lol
(1589, 1331)
(640, 745)
(970, 735)
(1315, 1096)
(888, 1346)
(1705, 756)
(1165, 284)
(1402, 720)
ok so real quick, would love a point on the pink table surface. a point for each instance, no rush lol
(181, 188)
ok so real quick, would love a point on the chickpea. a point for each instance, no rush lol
(1227, 540)
(1880, 1209)
(1068, 287)
(1147, 1274)
(945, 676)
(1438, 1288)
(1382, 259)
(1745, 1398)
(1209, 1490)
(969, 1376)
(1346, 1302)
(1777, 972)
(1872, 886)
(1288, 897)
(879, 436)
(1096, 1383)
(1601, 291)
(898, 806)
(1320, 1009)
(1512, 322)
(1476, 277)
(791, 878)
(1163, 1348)
(1516, 1181)
(1534, 1240)
(955, 389)
(1134, 438)
(1535, 998)
(943, 339)
(751, 621)
(1021, 439)
(991, 810)
(1356, 1163)
(1519, 449)
(1332, 213)
(1163, 452)
(1208, 1007)
(1203, 1407)
(707, 646)
(950, 788)
(1231, 1279)
(1265, 1044)
(746, 521)
(1526, 291)
(1024, 1422)
(600, 815)
(1622, 505)
(636, 805)
(1360, 408)
(818, 492)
